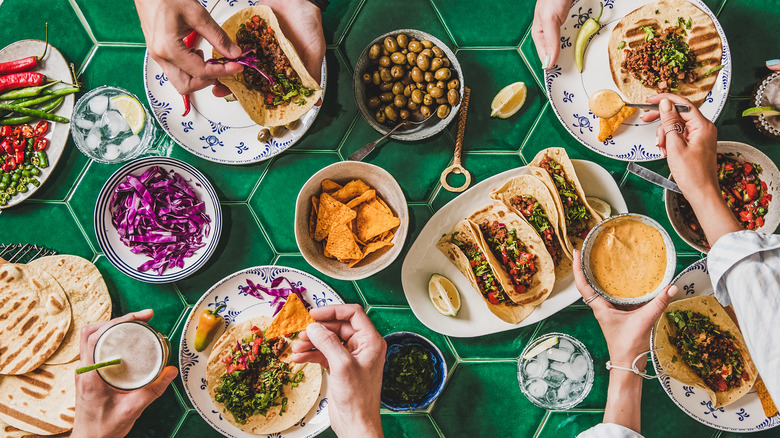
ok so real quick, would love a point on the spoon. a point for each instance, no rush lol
(456, 167)
(607, 103)
(416, 119)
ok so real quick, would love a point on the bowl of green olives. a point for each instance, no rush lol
(408, 74)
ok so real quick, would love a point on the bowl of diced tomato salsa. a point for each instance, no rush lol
(750, 186)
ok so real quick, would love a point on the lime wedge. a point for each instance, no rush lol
(599, 206)
(508, 101)
(444, 295)
(92, 367)
(131, 110)
(761, 111)
(543, 346)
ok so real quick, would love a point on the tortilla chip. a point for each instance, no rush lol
(366, 196)
(372, 222)
(329, 186)
(327, 254)
(313, 216)
(292, 318)
(341, 244)
(608, 126)
(331, 212)
(371, 247)
(770, 410)
(352, 190)
(357, 239)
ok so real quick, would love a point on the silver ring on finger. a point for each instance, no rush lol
(590, 299)
(675, 127)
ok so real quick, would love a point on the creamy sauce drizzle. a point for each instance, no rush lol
(605, 103)
(628, 258)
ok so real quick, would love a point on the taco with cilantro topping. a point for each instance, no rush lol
(276, 89)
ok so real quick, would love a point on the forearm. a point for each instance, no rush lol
(624, 399)
(714, 215)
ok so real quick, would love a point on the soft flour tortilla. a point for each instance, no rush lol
(87, 294)
(465, 233)
(678, 370)
(300, 399)
(253, 101)
(702, 38)
(8, 431)
(34, 317)
(42, 401)
(561, 157)
(531, 186)
(543, 281)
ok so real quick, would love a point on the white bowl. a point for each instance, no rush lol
(671, 259)
(770, 175)
(386, 188)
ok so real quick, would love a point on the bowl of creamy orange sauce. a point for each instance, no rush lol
(628, 259)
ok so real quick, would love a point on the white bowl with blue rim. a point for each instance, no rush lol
(120, 255)
(401, 339)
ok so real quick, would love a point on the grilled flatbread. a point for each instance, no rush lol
(702, 38)
(34, 317)
(8, 431)
(87, 293)
(42, 401)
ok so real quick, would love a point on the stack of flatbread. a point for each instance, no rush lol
(43, 306)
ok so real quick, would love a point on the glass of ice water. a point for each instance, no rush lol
(110, 125)
(558, 377)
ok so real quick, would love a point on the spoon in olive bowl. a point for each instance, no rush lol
(416, 118)
(607, 103)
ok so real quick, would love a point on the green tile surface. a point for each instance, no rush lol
(493, 43)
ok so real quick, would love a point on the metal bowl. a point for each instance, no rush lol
(419, 132)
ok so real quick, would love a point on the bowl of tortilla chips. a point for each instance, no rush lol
(351, 220)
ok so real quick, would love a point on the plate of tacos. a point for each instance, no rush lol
(262, 310)
(275, 100)
(707, 370)
(507, 245)
(642, 48)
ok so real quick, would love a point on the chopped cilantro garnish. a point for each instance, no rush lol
(713, 70)
(649, 32)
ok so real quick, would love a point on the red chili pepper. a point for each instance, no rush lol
(40, 144)
(10, 162)
(189, 41)
(8, 146)
(27, 131)
(19, 156)
(42, 128)
(6, 131)
(27, 63)
(19, 80)
(19, 146)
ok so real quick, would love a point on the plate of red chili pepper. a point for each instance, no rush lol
(750, 185)
(35, 106)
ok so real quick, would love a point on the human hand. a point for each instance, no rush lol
(301, 23)
(347, 345)
(102, 411)
(627, 331)
(549, 16)
(773, 64)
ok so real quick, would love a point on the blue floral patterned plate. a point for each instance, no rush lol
(569, 90)
(744, 415)
(239, 306)
(215, 129)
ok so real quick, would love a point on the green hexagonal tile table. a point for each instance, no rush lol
(493, 43)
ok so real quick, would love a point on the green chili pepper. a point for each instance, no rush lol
(33, 112)
(35, 171)
(27, 119)
(15, 176)
(3, 186)
(588, 28)
(26, 92)
(35, 182)
(43, 159)
(21, 188)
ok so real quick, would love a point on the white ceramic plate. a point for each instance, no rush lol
(120, 255)
(474, 318)
(569, 90)
(744, 415)
(215, 129)
(240, 307)
(54, 66)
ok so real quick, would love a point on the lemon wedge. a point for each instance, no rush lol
(599, 206)
(131, 110)
(761, 111)
(508, 101)
(543, 346)
(444, 295)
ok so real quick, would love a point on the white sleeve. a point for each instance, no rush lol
(609, 430)
(745, 272)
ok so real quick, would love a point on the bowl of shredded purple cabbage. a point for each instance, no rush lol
(158, 219)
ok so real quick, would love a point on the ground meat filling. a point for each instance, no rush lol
(532, 210)
(488, 284)
(575, 213)
(662, 62)
(511, 253)
(277, 345)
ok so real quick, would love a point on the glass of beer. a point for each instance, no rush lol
(144, 352)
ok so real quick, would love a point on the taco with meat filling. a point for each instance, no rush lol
(463, 247)
(698, 344)
(254, 385)
(279, 90)
(522, 263)
(554, 168)
(529, 198)
(669, 46)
